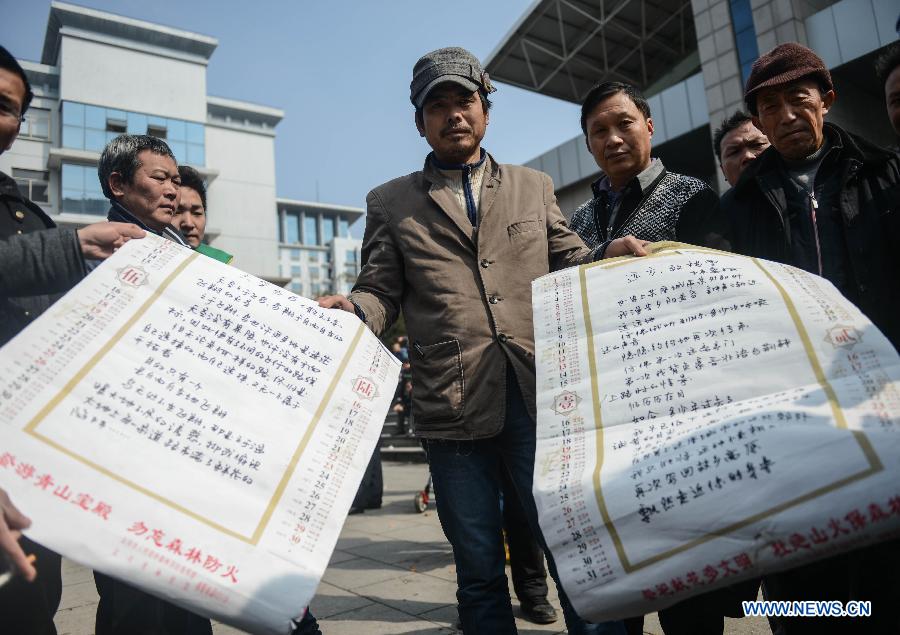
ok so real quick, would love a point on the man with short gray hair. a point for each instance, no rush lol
(139, 176)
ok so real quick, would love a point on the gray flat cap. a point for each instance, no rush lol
(451, 64)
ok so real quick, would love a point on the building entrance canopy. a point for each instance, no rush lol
(561, 48)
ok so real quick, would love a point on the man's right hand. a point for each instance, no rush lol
(12, 522)
(336, 302)
(100, 240)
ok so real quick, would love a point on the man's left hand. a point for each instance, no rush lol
(626, 246)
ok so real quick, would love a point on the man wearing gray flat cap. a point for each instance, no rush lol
(455, 247)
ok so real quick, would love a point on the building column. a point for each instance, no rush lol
(779, 21)
(719, 62)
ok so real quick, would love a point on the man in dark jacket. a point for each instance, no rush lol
(139, 176)
(37, 259)
(887, 69)
(637, 200)
(826, 201)
(820, 198)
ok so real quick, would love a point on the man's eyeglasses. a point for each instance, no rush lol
(7, 110)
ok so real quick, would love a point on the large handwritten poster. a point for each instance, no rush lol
(703, 418)
(198, 432)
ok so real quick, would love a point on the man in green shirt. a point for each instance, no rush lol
(190, 217)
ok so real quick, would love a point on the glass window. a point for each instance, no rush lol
(72, 177)
(310, 230)
(95, 117)
(179, 149)
(292, 232)
(196, 133)
(92, 127)
(196, 155)
(94, 139)
(741, 16)
(296, 270)
(343, 228)
(73, 137)
(745, 71)
(32, 184)
(350, 255)
(177, 130)
(137, 123)
(81, 192)
(36, 124)
(746, 45)
(296, 254)
(72, 201)
(327, 230)
(156, 131)
(116, 121)
(73, 114)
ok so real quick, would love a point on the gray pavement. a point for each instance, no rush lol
(392, 572)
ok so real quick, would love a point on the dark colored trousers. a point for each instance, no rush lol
(371, 487)
(702, 614)
(871, 573)
(126, 610)
(27, 608)
(526, 558)
(467, 481)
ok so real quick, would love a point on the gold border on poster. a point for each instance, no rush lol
(664, 249)
(32, 425)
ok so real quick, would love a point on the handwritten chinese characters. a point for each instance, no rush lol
(701, 418)
(193, 430)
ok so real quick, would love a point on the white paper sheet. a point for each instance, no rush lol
(702, 418)
(198, 432)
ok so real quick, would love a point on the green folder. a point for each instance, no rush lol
(215, 254)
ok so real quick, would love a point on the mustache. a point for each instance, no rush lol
(455, 129)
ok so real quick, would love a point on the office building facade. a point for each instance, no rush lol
(101, 75)
(691, 58)
(316, 253)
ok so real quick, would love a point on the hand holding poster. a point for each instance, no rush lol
(704, 418)
(194, 430)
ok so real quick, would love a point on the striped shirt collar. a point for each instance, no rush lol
(643, 180)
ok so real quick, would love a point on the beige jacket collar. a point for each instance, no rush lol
(443, 196)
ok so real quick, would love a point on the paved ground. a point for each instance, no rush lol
(392, 572)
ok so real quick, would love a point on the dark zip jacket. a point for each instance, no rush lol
(867, 205)
(38, 261)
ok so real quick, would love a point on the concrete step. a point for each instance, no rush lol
(400, 441)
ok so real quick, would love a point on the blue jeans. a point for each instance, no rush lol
(466, 477)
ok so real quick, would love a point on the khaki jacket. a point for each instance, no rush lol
(465, 293)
